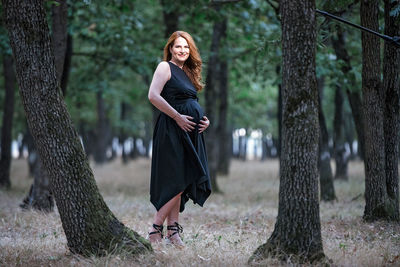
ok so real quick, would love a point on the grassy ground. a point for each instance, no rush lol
(223, 233)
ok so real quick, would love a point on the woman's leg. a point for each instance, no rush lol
(161, 214)
(172, 218)
(173, 215)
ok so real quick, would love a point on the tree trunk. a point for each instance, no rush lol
(67, 66)
(297, 233)
(391, 84)
(352, 95)
(341, 158)
(211, 95)
(59, 36)
(171, 17)
(122, 134)
(134, 151)
(39, 196)
(279, 147)
(356, 110)
(222, 131)
(6, 129)
(171, 22)
(324, 163)
(102, 131)
(89, 225)
(377, 204)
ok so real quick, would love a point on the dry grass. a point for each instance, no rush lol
(223, 233)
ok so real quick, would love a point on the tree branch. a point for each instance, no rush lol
(275, 8)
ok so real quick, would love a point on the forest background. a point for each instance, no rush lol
(113, 47)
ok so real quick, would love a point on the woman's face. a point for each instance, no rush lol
(179, 50)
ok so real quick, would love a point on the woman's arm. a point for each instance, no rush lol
(160, 78)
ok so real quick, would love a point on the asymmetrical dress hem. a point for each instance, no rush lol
(179, 158)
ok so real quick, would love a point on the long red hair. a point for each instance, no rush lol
(192, 66)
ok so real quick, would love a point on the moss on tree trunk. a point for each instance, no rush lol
(297, 232)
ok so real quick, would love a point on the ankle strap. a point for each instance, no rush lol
(159, 230)
(175, 227)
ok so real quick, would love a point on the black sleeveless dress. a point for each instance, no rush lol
(179, 159)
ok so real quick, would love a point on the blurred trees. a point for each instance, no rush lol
(117, 45)
(8, 112)
(89, 226)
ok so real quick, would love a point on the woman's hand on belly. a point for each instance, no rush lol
(204, 123)
(185, 122)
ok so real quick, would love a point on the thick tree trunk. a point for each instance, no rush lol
(6, 128)
(211, 95)
(324, 163)
(39, 196)
(89, 225)
(297, 233)
(391, 84)
(378, 205)
(222, 133)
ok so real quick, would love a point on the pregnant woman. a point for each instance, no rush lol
(179, 168)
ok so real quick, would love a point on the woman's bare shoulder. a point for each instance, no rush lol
(163, 68)
(163, 65)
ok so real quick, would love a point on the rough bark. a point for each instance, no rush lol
(89, 225)
(39, 196)
(297, 232)
(391, 84)
(6, 128)
(211, 96)
(377, 205)
(325, 171)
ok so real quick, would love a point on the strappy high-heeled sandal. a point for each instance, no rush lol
(158, 230)
(177, 229)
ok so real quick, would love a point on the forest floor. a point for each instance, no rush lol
(223, 233)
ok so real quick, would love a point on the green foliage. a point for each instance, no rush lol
(117, 45)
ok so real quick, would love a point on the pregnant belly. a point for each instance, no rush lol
(191, 108)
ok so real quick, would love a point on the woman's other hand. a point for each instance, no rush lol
(185, 122)
(204, 123)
